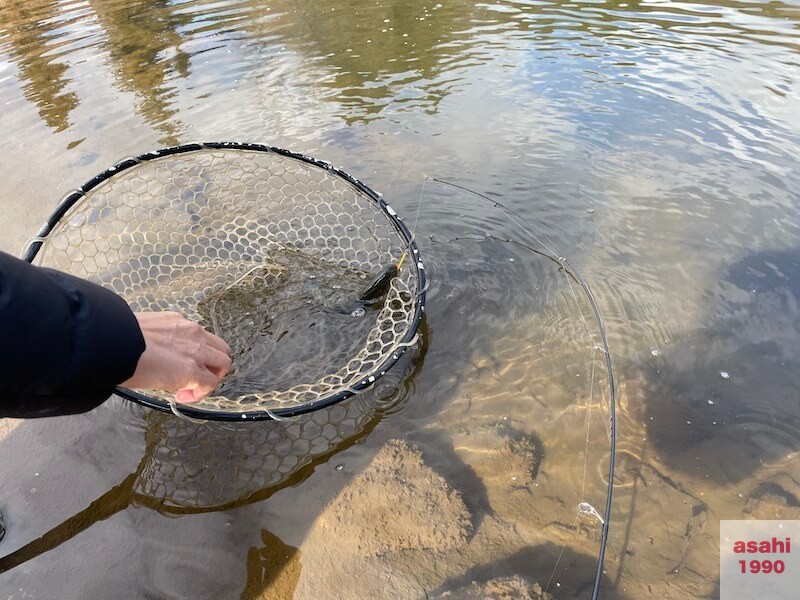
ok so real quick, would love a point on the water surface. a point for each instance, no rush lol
(655, 143)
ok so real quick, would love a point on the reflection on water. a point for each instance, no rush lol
(143, 44)
(189, 468)
(383, 54)
(43, 77)
(656, 143)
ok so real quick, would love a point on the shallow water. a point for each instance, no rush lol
(656, 144)
(289, 322)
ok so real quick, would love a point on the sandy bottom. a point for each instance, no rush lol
(401, 526)
(481, 498)
(478, 505)
(469, 506)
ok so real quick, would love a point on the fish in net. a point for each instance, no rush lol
(309, 275)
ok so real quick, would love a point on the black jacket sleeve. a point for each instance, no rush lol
(64, 342)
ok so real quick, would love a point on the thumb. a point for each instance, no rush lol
(186, 396)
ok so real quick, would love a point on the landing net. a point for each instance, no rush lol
(309, 275)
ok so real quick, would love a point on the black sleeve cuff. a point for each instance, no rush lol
(107, 339)
(65, 343)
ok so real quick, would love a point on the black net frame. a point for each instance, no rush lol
(415, 263)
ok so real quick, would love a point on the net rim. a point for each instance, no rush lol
(71, 199)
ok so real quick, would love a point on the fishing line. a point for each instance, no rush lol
(526, 226)
(588, 420)
(558, 560)
(419, 206)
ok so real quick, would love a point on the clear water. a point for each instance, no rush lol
(655, 143)
(291, 322)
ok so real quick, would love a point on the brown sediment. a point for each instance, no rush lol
(401, 525)
(398, 507)
(501, 588)
(272, 571)
(400, 504)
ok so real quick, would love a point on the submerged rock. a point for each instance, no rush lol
(398, 508)
(399, 503)
(500, 588)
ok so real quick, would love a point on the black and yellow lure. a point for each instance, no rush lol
(379, 286)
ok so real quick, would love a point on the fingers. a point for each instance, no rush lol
(185, 396)
(217, 342)
(212, 365)
(193, 331)
(199, 388)
(216, 361)
(179, 355)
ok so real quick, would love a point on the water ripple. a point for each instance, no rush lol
(656, 143)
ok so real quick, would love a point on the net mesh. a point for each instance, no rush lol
(188, 467)
(269, 251)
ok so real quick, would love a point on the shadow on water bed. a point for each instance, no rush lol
(272, 569)
(722, 404)
(712, 430)
(534, 564)
(186, 469)
(439, 451)
(193, 469)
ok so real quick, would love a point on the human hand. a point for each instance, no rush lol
(180, 356)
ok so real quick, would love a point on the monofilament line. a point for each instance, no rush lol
(527, 228)
(419, 206)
